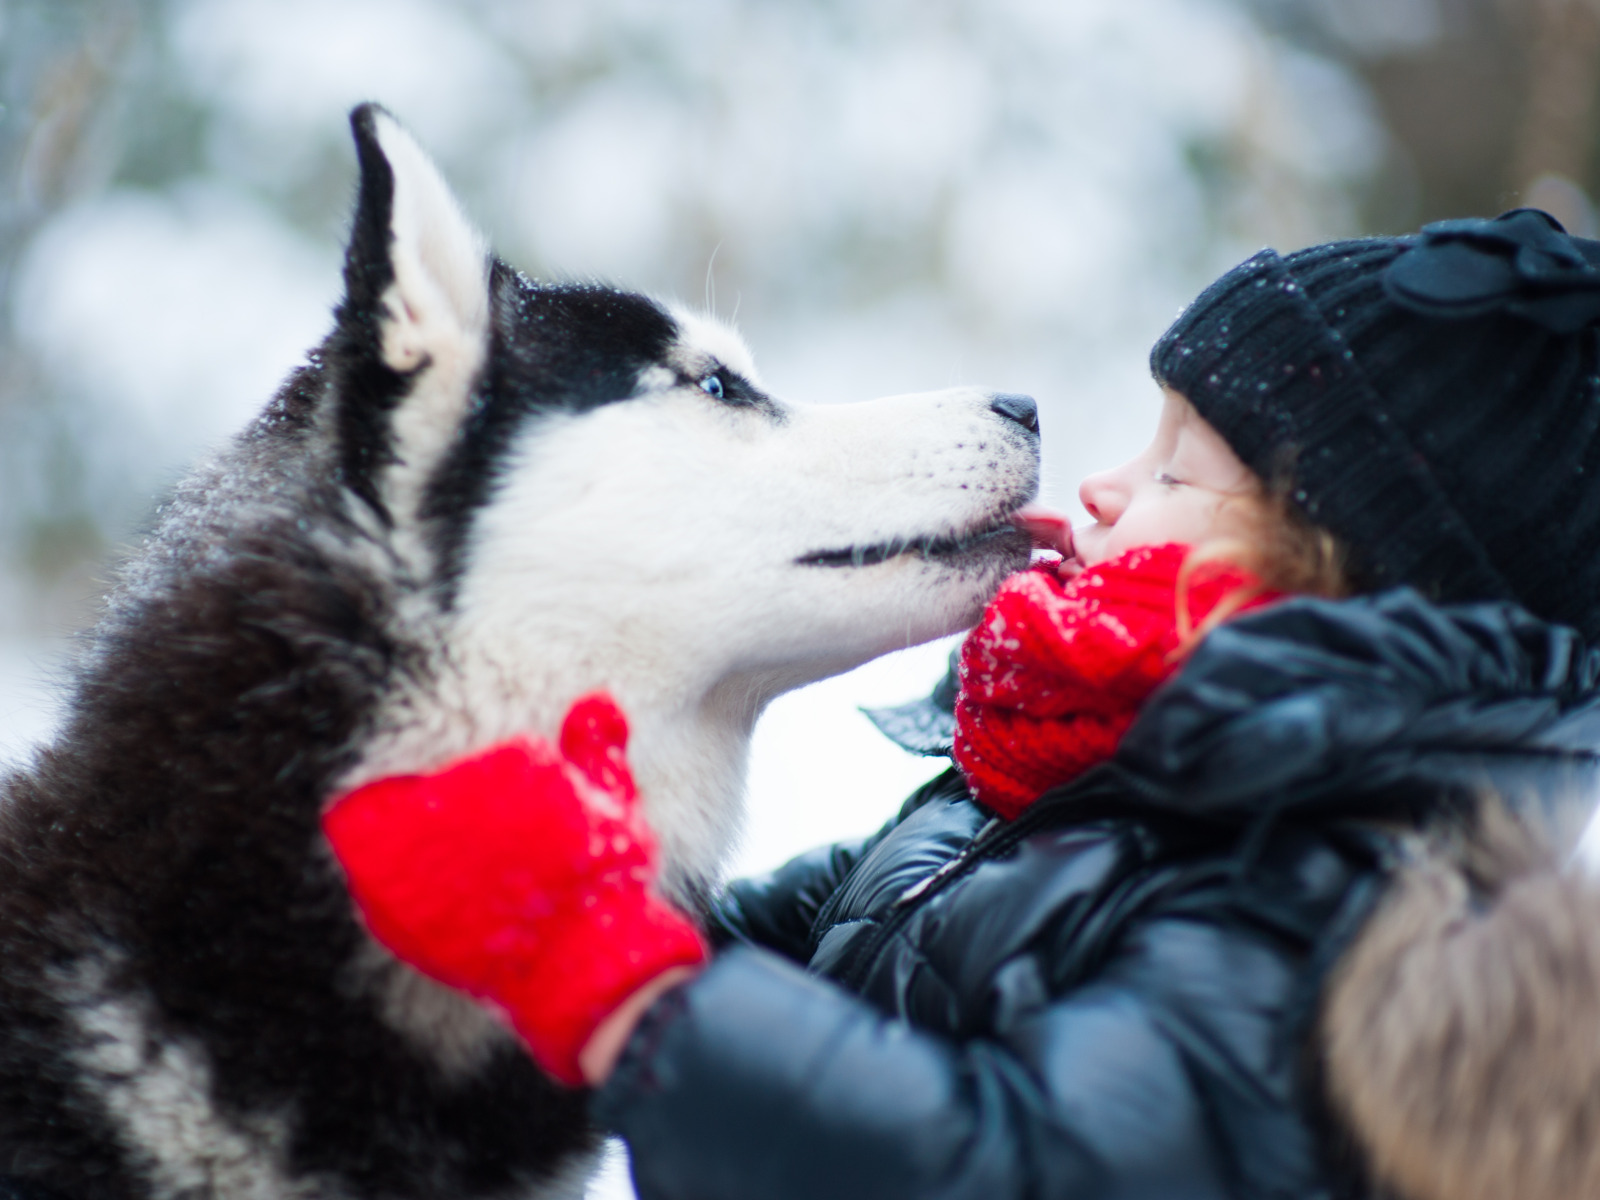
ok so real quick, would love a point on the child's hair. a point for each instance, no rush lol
(1286, 552)
(1295, 555)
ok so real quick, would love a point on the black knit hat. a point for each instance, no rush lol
(1433, 401)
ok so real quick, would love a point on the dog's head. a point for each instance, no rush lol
(588, 488)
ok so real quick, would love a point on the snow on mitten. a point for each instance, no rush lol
(523, 875)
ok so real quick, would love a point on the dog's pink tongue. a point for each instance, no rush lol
(1048, 529)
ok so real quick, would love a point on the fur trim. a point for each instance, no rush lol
(1461, 1031)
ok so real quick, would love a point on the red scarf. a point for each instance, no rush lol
(1055, 673)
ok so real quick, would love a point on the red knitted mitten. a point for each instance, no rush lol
(521, 875)
(1055, 673)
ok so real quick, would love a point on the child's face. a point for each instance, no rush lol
(1186, 486)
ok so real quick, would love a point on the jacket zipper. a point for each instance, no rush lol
(928, 882)
(995, 837)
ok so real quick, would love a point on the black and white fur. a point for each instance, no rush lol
(480, 499)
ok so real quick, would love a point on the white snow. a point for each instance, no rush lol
(172, 317)
(612, 1182)
(30, 687)
(290, 69)
(821, 772)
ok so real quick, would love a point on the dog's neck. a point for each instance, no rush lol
(688, 745)
(691, 762)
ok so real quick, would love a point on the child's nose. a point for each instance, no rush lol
(1101, 498)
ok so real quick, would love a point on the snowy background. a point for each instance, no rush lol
(887, 196)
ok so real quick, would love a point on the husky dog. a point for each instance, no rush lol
(479, 499)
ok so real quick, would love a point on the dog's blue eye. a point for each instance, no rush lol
(711, 385)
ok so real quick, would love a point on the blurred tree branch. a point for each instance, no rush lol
(1554, 148)
(60, 70)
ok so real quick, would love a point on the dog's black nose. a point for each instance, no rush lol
(1014, 406)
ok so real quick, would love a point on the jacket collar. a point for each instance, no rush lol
(1384, 698)
(1375, 701)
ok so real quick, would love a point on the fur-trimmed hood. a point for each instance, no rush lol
(1383, 705)
(1460, 1034)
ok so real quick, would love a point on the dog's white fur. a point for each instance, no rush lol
(436, 321)
(650, 547)
(159, 1093)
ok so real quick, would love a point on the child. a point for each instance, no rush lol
(1054, 674)
(1137, 957)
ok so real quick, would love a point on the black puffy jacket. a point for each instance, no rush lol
(1111, 995)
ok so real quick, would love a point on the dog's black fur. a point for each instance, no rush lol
(592, 344)
(170, 834)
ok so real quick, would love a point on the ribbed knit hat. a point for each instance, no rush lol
(1433, 401)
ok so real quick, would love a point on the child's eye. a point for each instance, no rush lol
(1166, 480)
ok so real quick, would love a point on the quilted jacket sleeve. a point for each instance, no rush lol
(777, 910)
(1162, 1076)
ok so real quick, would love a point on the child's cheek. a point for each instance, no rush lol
(1194, 516)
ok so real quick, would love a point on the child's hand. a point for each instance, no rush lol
(522, 875)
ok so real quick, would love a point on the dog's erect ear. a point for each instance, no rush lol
(413, 327)
(414, 263)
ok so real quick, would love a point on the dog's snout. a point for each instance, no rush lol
(1014, 406)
